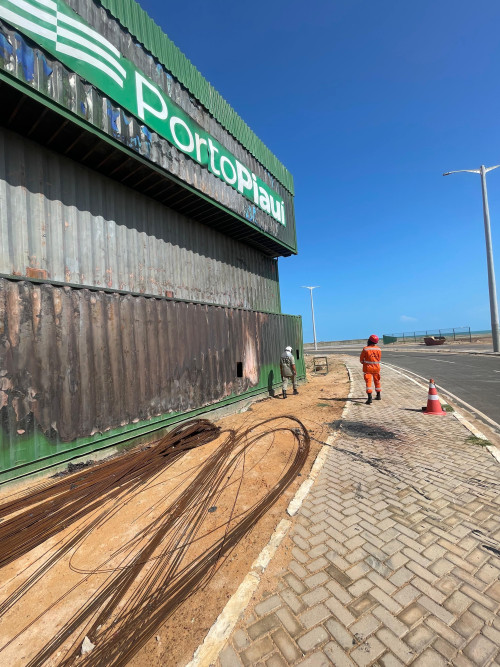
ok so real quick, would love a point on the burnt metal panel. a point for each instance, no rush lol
(78, 367)
(66, 223)
(98, 114)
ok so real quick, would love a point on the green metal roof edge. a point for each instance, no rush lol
(136, 20)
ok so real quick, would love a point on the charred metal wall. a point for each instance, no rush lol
(21, 59)
(82, 369)
(67, 223)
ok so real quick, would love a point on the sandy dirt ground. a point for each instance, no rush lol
(64, 588)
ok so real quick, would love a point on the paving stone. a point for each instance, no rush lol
(436, 609)
(340, 634)
(390, 621)
(295, 584)
(268, 605)
(337, 655)
(257, 650)
(300, 556)
(485, 600)
(389, 660)
(319, 538)
(362, 604)
(367, 652)
(382, 582)
(447, 650)
(430, 658)
(339, 592)
(315, 660)
(240, 639)
(229, 658)
(263, 626)
(301, 542)
(396, 646)
(467, 625)
(286, 645)
(440, 567)
(480, 649)
(488, 573)
(365, 627)
(275, 661)
(457, 603)
(385, 600)
(343, 614)
(312, 638)
(428, 590)
(319, 550)
(314, 597)
(441, 629)
(316, 579)
(314, 616)
(339, 576)
(317, 564)
(406, 595)
(360, 587)
(295, 603)
(412, 615)
(419, 638)
(289, 622)
(297, 569)
(401, 577)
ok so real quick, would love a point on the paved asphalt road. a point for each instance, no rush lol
(473, 378)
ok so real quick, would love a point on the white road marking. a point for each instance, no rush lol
(443, 361)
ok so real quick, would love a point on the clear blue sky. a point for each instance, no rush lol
(367, 104)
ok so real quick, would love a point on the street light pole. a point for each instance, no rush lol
(495, 329)
(312, 312)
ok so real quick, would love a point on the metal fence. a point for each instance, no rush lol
(418, 336)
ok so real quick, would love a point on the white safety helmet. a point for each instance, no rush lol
(288, 349)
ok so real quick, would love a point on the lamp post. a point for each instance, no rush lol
(312, 312)
(489, 252)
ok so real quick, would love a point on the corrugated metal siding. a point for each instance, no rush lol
(131, 15)
(66, 223)
(49, 77)
(77, 367)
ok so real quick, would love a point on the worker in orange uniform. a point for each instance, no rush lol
(370, 358)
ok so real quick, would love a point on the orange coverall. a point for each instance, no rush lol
(370, 358)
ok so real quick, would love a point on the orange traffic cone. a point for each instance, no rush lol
(433, 402)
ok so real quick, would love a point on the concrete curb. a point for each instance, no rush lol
(494, 451)
(207, 653)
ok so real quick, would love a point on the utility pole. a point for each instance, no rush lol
(312, 312)
(495, 329)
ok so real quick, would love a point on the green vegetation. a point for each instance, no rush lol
(447, 408)
(474, 440)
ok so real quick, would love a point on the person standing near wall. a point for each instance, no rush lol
(288, 370)
(370, 358)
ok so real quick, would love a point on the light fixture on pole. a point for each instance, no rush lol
(495, 332)
(312, 312)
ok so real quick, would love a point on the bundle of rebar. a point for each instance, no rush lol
(156, 574)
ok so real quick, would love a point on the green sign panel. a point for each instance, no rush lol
(60, 31)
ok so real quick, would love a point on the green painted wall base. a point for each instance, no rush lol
(128, 436)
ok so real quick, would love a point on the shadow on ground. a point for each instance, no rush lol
(362, 430)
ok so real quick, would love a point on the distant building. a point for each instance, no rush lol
(140, 225)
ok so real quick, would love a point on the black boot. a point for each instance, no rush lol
(368, 402)
(295, 391)
(284, 393)
(378, 397)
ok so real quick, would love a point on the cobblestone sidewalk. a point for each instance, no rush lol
(396, 556)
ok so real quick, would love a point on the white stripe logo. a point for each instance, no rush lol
(70, 36)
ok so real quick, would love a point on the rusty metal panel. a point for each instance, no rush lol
(79, 367)
(67, 223)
